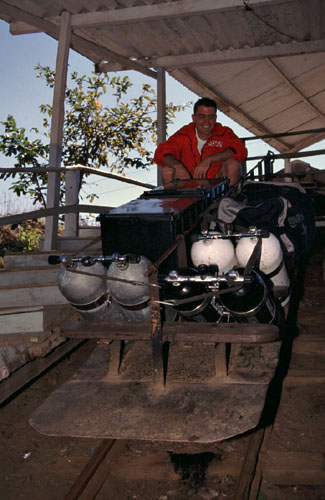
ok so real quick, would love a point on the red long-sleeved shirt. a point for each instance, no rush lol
(183, 146)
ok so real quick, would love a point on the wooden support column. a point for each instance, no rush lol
(161, 112)
(71, 221)
(287, 169)
(53, 188)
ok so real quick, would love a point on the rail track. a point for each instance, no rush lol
(260, 446)
(97, 471)
(283, 459)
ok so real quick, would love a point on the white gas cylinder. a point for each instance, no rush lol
(214, 252)
(271, 258)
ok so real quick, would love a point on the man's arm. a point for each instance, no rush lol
(201, 170)
(173, 169)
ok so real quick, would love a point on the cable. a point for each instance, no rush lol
(269, 25)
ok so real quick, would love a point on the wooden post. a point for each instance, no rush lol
(161, 112)
(53, 188)
(287, 169)
(71, 221)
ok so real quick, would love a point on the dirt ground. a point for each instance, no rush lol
(38, 467)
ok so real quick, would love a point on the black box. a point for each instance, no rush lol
(149, 225)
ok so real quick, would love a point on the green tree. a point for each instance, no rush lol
(117, 137)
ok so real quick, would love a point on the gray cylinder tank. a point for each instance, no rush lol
(99, 299)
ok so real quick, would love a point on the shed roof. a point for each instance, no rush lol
(263, 61)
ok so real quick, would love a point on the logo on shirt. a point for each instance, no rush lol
(217, 144)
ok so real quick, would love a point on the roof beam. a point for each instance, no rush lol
(79, 44)
(294, 88)
(156, 12)
(232, 111)
(308, 141)
(237, 55)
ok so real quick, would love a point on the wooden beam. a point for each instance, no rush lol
(38, 214)
(304, 143)
(38, 25)
(31, 370)
(85, 47)
(161, 113)
(301, 96)
(226, 107)
(53, 188)
(95, 472)
(110, 175)
(178, 8)
(82, 168)
(156, 12)
(249, 467)
(178, 332)
(237, 55)
(72, 186)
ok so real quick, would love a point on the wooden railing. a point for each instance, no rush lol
(72, 207)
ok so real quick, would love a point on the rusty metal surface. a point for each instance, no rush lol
(198, 413)
(205, 408)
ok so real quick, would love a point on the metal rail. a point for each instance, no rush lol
(96, 472)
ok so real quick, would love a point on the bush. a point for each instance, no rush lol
(23, 237)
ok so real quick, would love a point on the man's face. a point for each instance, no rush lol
(204, 120)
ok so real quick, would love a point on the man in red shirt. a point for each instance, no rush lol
(202, 149)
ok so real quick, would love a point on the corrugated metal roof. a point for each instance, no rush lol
(263, 61)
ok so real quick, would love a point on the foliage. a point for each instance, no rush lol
(117, 137)
(28, 153)
(21, 237)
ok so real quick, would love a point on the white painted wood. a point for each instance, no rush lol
(23, 260)
(13, 13)
(32, 319)
(53, 190)
(97, 52)
(37, 214)
(287, 169)
(155, 12)
(21, 322)
(72, 185)
(294, 88)
(89, 231)
(161, 113)
(79, 245)
(110, 175)
(237, 55)
(85, 47)
(233, 111)
(141, 33)
(28, 296)
(25, 276)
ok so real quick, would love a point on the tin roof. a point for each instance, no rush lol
(263, 61)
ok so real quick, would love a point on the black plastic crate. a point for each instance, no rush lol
(149, 227)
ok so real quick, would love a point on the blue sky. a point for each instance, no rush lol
(22, 93)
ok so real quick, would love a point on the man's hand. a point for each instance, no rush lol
(201, 170)
(173, 169)
(168, 174)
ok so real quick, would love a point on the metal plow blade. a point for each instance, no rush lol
(210, 394)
